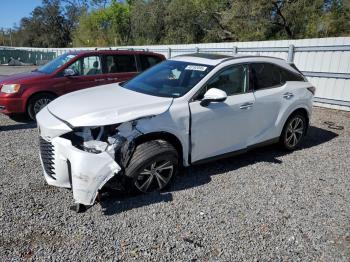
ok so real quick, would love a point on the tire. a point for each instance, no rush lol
(293, 132)
(153, 166)
(37, 102)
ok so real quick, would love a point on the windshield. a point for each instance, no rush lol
(56, 63)
(169, 79)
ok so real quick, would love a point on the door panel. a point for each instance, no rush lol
(269, 87)
(268, 103)
(222, 127)
(88, 74)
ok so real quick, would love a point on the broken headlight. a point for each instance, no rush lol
(96, 139)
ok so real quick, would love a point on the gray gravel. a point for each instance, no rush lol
(264, 205)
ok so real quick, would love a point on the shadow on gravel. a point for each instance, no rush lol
(201, 174)
(17, 127)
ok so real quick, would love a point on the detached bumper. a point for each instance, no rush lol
(85, 173)
(66, 166)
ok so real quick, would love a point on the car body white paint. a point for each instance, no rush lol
(203, 132)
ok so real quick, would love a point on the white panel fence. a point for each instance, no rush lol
(325, 61)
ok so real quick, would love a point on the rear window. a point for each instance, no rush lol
(267, 75)
(148, 61)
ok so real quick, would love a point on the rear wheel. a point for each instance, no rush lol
(153, 166)
(293, 131)
(38, 102)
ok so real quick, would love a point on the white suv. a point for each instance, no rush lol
(183, 111)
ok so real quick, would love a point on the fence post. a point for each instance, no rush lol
(290, 58)
(234, 50)
(169, 52)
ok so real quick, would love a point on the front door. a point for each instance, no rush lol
(223, 127)
(88, 74)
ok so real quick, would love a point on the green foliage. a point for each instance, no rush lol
(137, 22)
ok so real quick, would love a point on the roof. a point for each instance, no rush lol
(215, 59)
(110, 51)
(202, 58)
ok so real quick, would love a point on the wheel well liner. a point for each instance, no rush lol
(172, 139)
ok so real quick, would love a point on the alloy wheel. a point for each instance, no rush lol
(155, 176)
(294, 132)
(40, 104)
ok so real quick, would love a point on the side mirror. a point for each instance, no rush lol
(69, 72)
(213, 95)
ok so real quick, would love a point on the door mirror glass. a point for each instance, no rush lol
(213, 95)
(69, 72)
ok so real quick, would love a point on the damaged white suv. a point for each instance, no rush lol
(184, 111)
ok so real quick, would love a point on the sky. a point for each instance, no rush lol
(11, 11)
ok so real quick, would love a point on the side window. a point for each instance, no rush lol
(290, 76)
(148, 61)
(233, 80)
(265, 75)
(89, 65)
(120, 63)
(77, 67)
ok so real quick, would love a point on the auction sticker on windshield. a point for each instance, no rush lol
(196, 68)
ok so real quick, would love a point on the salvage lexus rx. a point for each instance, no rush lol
(183, 111)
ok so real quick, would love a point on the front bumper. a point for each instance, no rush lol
(66, 166)
(11, 105)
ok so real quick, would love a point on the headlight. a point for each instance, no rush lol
(10, 88)
(96, 139)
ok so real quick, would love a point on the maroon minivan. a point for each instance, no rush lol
(29, 92)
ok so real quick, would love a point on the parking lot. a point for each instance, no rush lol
(260, 206)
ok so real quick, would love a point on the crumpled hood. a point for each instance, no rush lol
(106, 105)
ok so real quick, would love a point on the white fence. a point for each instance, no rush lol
(325, 61)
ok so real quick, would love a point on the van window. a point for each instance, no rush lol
(148, 61)
(87, 66)
(120, 63)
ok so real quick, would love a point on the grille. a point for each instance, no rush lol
(47, 156)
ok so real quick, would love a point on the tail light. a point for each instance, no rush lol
(312, 89)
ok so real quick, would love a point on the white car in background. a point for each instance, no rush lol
(184, 111)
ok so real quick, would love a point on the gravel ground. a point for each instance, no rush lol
(264, 205)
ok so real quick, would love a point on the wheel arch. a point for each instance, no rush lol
(301, 110)
(31, 96)
(166, 136)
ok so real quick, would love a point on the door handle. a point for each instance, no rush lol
(100, 80)
(246, 105)
(288, 95)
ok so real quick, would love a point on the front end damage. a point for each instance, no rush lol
(85, 158)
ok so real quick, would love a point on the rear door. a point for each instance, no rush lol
(269, 89)
(119, 67)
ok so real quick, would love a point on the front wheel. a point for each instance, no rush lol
(38, 102)
(293, 132)
(153, 166)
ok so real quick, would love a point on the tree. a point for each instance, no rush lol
(46, 27)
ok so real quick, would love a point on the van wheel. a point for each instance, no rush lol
(153, 166)
(293, 132)
(38, 102)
